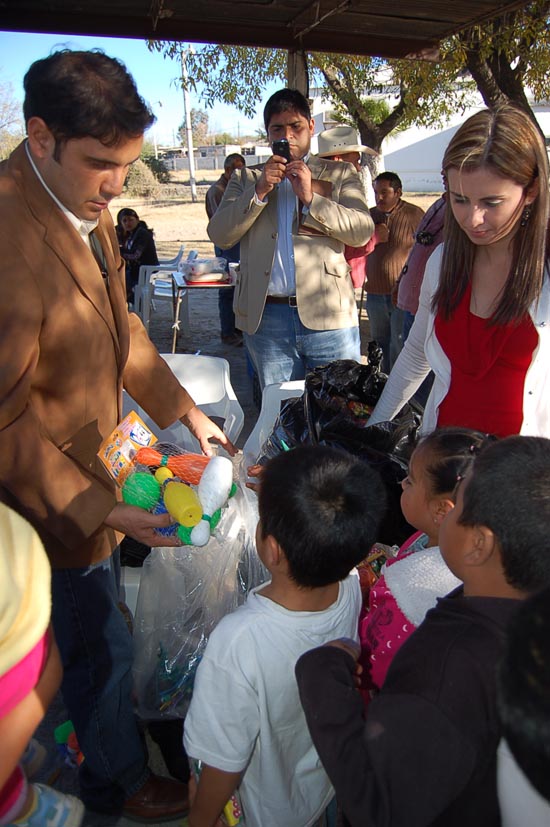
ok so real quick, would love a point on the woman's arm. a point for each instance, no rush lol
(411, 367)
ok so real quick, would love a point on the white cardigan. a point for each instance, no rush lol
(423, 352)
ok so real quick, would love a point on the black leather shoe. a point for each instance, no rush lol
(160, 799)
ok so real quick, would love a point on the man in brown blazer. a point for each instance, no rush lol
(67, 349)
(294, 298)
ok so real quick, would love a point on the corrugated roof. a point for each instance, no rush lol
(386, 28)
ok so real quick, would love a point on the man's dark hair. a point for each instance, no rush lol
(392, 178)
(509, 492)
(524, 690)
(230, 160)
(85, 95)
(323, 507)
(286, 100)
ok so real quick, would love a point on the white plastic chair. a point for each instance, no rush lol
(272, 397)
(145, 273)
(155, 284)
(207, 379)
(173, 262)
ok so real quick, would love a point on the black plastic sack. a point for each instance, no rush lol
(334, 410)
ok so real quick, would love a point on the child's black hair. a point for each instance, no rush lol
(451, 452)
(509, 492)
(323, 506)
(524, 690)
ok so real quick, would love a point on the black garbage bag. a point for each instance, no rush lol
(334, 410)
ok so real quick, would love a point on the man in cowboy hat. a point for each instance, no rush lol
(340, 144)
(293, 297)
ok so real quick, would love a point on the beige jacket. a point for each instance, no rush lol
(324, 291)
(67, 349)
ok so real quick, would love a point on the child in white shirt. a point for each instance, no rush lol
(319, 514)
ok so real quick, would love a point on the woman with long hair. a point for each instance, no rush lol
(137, 246)
(483, 322)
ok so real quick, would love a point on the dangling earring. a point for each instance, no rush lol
(526, 215)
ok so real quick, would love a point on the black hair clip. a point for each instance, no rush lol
(425, 238)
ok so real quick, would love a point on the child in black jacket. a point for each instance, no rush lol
(426, 754)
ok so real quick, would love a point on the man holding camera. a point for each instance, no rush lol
(294, 299)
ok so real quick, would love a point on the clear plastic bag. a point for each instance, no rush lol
(201, 269)
(184, 592)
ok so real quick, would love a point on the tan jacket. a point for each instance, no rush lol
(67, 348)
(324, 291)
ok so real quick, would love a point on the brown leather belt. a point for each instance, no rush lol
(290, 300)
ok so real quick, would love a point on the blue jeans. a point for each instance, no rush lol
(283, 349)
(386, 327)
(225, 308)
(408, 319)
(225, 296)
(421, 395)
(97, 653)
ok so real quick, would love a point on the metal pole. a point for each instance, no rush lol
(188, 130)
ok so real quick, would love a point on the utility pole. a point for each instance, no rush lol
(188, 130)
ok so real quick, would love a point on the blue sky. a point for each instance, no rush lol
(154, 75)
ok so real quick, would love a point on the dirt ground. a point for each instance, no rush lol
(176, 220)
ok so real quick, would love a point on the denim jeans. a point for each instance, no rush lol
(225, 296)
(421, 395)
(386, 327)
(225, 308)
(408, 319)
(96, 652)
(283, 349)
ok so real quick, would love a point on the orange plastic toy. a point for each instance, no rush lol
(188, 467)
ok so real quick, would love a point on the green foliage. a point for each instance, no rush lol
(159, 169)
(156, 165)
(222, 138)
(236, 75)
(141, 183)
(500, 58)
(12, 130)
(377, 110)
(8, 142)
(199, 128)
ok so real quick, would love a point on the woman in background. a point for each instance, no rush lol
(137, 246)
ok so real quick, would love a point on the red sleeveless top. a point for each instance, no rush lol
(489, 364)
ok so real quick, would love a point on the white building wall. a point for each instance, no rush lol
(416, 153)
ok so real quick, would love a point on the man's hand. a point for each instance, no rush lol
(141, 525)
(299, 175)
(382, 233)
(255, 471)
(272, 175)
(204, 429)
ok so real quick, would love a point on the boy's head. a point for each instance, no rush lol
(323, 508)
(524, 690)
(499, 525)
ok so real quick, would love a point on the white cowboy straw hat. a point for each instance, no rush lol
(338, 140)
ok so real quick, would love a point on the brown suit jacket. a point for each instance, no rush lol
(67, 348)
